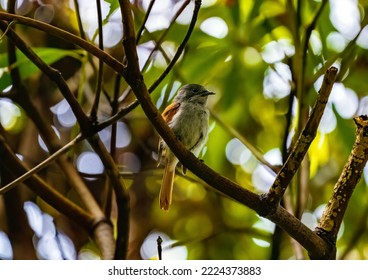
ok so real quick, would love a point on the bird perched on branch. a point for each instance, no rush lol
(188, 117)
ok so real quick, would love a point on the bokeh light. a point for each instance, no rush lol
(42, 143)
(22, 7)
(10, 115)
(50, 243)
(215, 27)
(89, 163)
(236, 152)
(112, 28)
(129, 162)
(264, 225)
(277, 81)
(123, 136)
(262, 177)
(64, 114)
(276, 51)
(345, 17)
(45, 13)
(6, 250)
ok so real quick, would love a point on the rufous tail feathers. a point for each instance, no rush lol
(167, 187)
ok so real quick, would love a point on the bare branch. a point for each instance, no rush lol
(334, 212)
(41, 165)
(306, 137)
(52, 30)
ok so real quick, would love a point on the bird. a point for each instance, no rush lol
(188, 118)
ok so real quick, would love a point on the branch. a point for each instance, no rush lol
(197, 6)
(124, 111)
(96, 101)
(41, 165)
(306, 137)
(12, 163)
(122, 198)
(52, 73)
(333, 214)
(159, 41)
(143, 26)
(69, 37)
(51, 139)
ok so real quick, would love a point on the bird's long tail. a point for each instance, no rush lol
(167, 187)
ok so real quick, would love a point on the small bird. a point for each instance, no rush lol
(188, 117)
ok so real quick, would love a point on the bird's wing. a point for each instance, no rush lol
(170, 111)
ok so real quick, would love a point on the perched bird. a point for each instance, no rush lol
(188, 117)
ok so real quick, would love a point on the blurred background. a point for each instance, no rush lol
(265, 65)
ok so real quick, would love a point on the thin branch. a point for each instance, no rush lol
(159, 41)
(197, 6)
(100, 228)
(69, 37)
(124, 111)
(52, 73)
(79, 20)
(306, 137)
(41, 165)
(351, 45)
(96, 102)
(12, 163)
(143, 26)
(53, 142)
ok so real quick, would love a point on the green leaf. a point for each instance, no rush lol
(27, 68)
(114, 5)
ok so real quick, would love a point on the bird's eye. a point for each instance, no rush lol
(195, 90)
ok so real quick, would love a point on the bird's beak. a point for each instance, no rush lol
(207, 92)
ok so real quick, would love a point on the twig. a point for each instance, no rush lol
(41, 165)
(159, 41)
(53, 143)
(45, 191)
(306, 137)
(71, 38)
(334, 212)
(143, 26)
(344, 53)
(96, 102)
(79, 20)
(10, 25)
(197, 6)
(159, 247)
(124, 111)
(52, 73)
